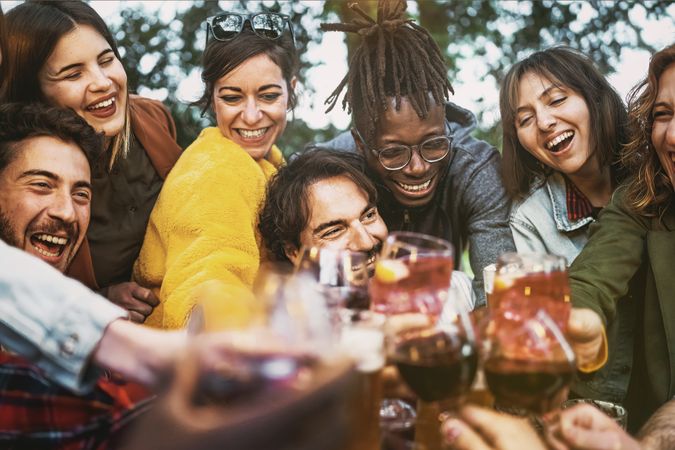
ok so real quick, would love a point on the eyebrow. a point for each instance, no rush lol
(52, 176)
(332, 223)
(662, 104)
(72, 66)
(238, 89)
(546, 92)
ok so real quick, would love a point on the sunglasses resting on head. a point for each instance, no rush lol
(269, 25)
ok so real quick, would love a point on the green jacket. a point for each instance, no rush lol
(626, 273)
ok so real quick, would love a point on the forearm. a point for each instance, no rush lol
(659, 431)
(139, 353)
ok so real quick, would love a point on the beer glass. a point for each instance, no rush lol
(528, 363)
(527, 282)
(341, 275)
(362, 339)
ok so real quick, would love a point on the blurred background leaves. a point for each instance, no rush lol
(159, 55)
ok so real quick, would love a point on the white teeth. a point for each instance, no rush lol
(558, 139)
(415, 187)
(252, 134)
(45, 253)
(103, 104)
(52, 239)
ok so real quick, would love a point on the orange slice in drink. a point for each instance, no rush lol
(391, 271)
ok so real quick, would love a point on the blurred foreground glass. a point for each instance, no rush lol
(616, 412)
(362, 339)
(281, 348)
(528, 364)
(342, 275)
(527, 282)
(412, 274)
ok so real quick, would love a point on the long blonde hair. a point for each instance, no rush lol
(649, 189)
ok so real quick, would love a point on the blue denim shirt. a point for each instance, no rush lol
(539, 222)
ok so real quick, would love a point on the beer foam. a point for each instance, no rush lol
(365, 346)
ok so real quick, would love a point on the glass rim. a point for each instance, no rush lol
(447, 246)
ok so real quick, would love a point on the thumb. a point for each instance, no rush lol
(586, 334)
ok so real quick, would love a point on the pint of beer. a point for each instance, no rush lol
(362, 339)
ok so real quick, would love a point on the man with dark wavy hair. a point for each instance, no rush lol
(46, 156)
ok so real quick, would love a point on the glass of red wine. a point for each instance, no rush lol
(528, 363)
(341, 275)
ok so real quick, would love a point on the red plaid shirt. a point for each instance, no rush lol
(37, 414)
(578, 206)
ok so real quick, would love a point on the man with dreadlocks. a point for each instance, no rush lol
(432, 175)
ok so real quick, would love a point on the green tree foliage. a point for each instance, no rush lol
(158, 56)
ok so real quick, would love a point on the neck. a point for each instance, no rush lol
(596, 186)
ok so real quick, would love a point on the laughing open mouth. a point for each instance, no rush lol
(49, 245)
(252, 134)
(559, 142)
(414, 187)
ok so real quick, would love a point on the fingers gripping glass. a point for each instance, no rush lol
(268, 25)
(397, 156)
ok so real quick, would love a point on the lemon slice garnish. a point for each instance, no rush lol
(391, 271)
(502, 283)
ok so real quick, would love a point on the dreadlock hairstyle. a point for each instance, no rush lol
(396, 58)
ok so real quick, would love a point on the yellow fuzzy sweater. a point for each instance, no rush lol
(203, 230)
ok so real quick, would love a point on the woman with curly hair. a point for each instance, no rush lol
(631, 252)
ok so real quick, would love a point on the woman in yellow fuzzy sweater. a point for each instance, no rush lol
(202, 235)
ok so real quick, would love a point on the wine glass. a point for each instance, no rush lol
(528, 364)
(410, 286)
(527, 282)
(438, 361)
(341, 275)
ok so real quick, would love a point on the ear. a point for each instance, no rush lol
(360, 145)
(293, 82)
(291, 252)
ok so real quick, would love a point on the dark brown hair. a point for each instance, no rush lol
(649, 189)
(20, 121)
(396, 58)
(285, 213)
(571, 69)
(222, 57)
(33, 29)
(3, 52)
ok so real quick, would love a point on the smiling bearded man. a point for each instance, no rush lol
(45, 174)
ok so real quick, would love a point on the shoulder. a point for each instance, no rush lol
(343, 142)
(535, 203)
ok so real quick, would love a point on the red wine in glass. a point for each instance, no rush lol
(533, 386)
(435, 365)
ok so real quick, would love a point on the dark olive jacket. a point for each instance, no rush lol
(626, 273)
(153, 126)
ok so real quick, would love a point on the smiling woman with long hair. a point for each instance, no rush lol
(62, 53)
(563, 127)
(630, 255)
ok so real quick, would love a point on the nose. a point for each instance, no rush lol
(100, 81)
(545, 120)
(417, 166)
(62, 208)
(251, 113)
(361, 240)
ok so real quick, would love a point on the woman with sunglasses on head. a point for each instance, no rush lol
(563, 127)
(63, 54)
(202, 237)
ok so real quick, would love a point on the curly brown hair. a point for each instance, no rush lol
(648, 190)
